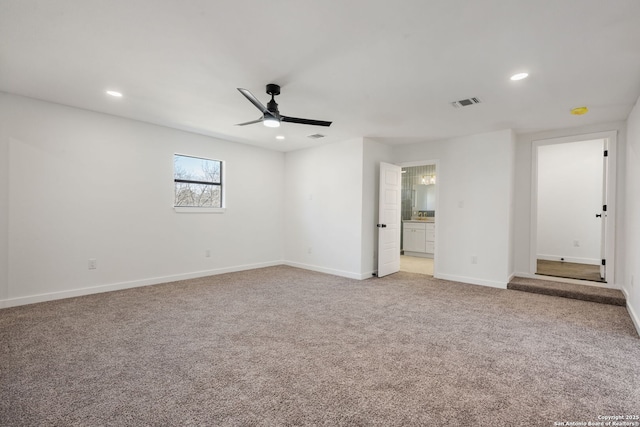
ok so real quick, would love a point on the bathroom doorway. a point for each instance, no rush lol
(418, 213)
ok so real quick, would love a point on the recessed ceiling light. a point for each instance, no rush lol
(114, 93)
(578, 111)
(519, 76)
(279, 137)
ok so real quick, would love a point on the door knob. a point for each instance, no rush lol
(381, 225)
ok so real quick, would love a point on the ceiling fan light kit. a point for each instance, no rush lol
(270, 122)
(270, 114)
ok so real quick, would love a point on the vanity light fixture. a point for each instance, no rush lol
(428, 179)
(279, 137)
(114, 93)
(519, 76)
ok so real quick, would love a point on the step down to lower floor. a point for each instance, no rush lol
(568, 290)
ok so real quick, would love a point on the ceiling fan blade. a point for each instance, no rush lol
(254, 100)
(305, 121)
(251, 122)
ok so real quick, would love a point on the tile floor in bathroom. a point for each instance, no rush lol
(414, 264)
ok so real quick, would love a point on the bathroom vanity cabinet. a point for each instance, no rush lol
(418, 238)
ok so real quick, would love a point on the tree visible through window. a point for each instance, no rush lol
(197, 181)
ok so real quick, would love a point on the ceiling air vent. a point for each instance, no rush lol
(316, 136)
(465, 102)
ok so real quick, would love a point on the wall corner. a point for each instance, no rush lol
(4, 202)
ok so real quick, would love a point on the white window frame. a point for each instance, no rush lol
(202, 209)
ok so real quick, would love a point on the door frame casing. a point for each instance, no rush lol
(436, 163)
(611, 138)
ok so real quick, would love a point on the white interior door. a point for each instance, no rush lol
(389, 219)
(603, 241)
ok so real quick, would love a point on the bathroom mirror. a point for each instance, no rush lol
(425, 197)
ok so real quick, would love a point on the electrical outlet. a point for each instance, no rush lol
(309, 250)
(576, 243)
(474, 259)
(92, 264)
(207, 253)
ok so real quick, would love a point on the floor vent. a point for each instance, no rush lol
(465, 102)
(316, 136)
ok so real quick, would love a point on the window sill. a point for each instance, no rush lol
(187, 209)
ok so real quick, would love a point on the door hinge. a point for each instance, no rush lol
(604, 208)
(606, 153)
(604, 262)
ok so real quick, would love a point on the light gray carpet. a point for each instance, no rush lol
(282, 346)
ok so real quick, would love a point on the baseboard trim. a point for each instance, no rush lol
(472, 281)
(341, 273)
(51, 296)
(634, 316)
(626, 294)
(418, 254)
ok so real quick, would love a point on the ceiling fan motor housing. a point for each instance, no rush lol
(272, 106)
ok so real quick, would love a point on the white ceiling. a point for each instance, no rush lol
(378, 69)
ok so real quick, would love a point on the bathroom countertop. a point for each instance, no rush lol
(420, 220)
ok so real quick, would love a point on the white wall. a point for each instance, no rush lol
(374, 153)
(524, 143)
(87, 185)
(323, 208)
(631, 277)
(475, 179)
(569, 197)
(4, 211)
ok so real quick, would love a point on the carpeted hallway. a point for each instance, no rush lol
(283, 346)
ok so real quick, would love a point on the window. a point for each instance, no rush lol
(197, 182)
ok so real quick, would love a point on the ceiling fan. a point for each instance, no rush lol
(271, 116)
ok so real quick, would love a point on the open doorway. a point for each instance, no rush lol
(418, 218)
(572, 209)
